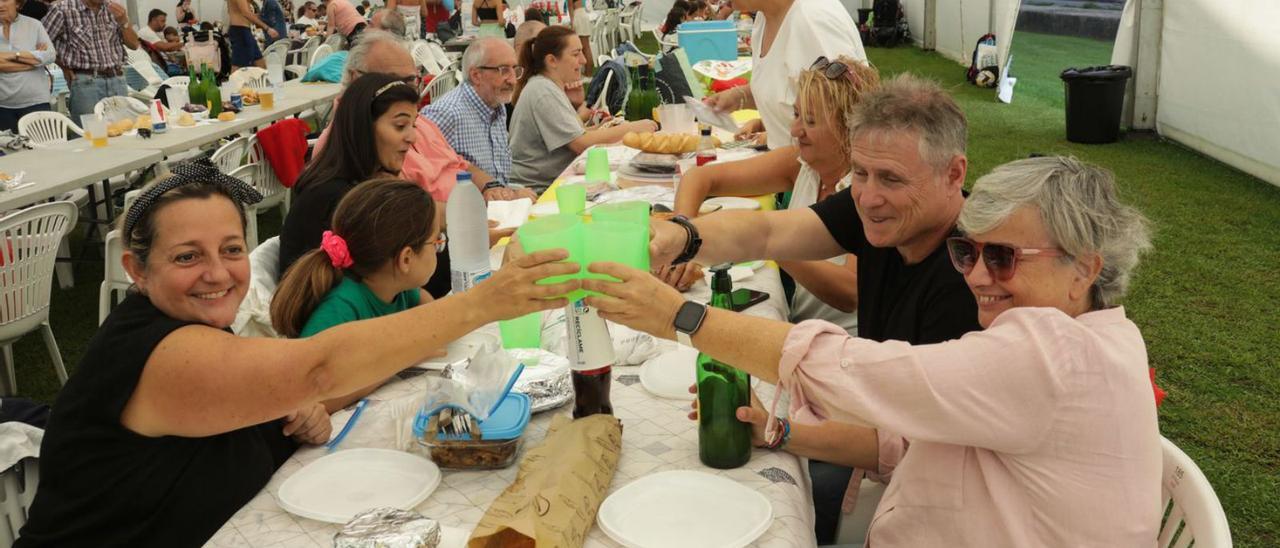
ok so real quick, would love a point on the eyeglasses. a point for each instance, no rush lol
(440, 242)
(1000, 259)
(505, 70)
(833, 70)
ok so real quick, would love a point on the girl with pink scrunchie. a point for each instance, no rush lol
(379, 253)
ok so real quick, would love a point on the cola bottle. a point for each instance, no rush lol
(590, 358)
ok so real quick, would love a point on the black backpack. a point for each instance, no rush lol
(977, 66)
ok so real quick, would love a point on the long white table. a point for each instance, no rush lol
(55, 171)
(657, 436)
(297, 98)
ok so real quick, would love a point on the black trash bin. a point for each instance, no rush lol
(1095, 100)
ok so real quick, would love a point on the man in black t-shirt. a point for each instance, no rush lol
(908, 151)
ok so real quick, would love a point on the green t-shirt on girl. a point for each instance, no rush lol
(353, 301)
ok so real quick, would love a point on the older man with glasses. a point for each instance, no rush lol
(473, 118)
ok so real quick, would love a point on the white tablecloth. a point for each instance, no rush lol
(657, 436)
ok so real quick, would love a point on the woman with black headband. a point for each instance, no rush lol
(373, 128)
(171, 423)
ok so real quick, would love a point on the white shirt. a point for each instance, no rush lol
(149, 36)
(304, 20)
(804, 304)
(811, 28)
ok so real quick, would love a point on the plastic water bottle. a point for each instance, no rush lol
(468, 223)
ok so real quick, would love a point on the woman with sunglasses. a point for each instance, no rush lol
(788, 35)
(1039, 430)
(372, 130)
(815, 167)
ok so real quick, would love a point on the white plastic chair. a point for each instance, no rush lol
(61, 102)
(442, 57)
(1194, 512)
(278, 51)
(231, 155)
(274, 193)
(423, 57)
(140, 62)
(440, 85)
(29, 242)
(249, 174)
(320, 53)
(253, 77)
(47, 128)
(335, 42)
(627, 24)
(114, 277)
(177, 81)
(112, 109)
(17, 490)
(602, 101)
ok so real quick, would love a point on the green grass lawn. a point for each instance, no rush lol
(1207, 299)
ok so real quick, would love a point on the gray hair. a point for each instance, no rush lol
(475, 55)
(909, 103)
(358, 56)
(393, 23)
(1080, 209)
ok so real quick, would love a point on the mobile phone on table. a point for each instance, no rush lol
(746, 298)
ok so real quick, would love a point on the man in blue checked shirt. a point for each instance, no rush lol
(472, 117)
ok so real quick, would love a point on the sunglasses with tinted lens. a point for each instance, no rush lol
(1000, 259)
(833, 70)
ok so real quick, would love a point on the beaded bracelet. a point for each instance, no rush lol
(783, 439)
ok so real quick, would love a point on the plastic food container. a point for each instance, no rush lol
(499, 443)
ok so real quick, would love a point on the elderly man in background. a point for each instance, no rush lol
(908, 144)
(90, 37)
(472, 116)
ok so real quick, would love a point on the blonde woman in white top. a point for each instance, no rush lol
(816, 166)
(787, 37)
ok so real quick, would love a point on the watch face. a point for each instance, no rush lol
(689, 317)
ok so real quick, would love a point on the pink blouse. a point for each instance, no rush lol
(1038, 431)
(431, 163)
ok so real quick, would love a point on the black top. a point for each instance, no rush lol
(922, 303)
(35, 9)
(310, 214)
(104, 485)
(487, 13)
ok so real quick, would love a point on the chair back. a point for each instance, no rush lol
(118, 108)
(231, 155)
(324, 50)
(278, 51)
(47, 128)
(17, 490)
(423, 57)
(29, 241)
(249, 174)
(266, 181)
(252, 77)
(1192, 510)
(440, 85)
(335, 42)
(253, 319)
(114, 276)
(442, 57)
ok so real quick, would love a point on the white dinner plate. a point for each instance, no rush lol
(735, 202)
(685, 508)
(338, 486)
(461, 349)
(669, 375)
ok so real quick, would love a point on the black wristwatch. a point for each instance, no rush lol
(494, 184)
(688, 320)
(692, 244)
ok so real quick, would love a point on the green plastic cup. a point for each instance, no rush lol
(572, 199)
(522, 332)
(617, 242)
(559, 231)
(634, 212)
(597, 165)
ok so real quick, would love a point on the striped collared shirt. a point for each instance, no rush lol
(475, 130)
(86, 39)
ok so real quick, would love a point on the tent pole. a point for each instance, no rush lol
(1146, 78)
(930, 41)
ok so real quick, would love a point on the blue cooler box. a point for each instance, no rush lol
(701, 40)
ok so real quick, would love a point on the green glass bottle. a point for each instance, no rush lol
(195, 93)
(212, 95)
(723, 440)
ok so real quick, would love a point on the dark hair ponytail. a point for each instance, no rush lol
(533, 56)
(378, 219)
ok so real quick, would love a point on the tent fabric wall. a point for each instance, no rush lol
(1218, 91)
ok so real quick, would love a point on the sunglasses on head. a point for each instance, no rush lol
(1000, 259)
(833, 70)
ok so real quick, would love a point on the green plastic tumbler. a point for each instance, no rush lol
(617, 242)
(522, 332)
(571, 199)
(597, 165)
(635, 212)
(559, 231)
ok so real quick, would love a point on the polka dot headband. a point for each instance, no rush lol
(199, 171)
